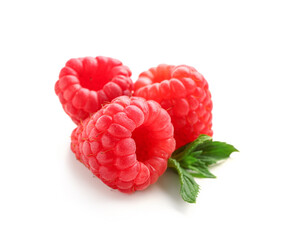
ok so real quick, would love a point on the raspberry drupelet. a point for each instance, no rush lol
(184, 93)
(126, 144)
(85, 84)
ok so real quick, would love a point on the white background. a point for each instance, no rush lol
(236, 45)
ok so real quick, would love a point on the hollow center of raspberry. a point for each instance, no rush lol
(143, 144)
(94, 81)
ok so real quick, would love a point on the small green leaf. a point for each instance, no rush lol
(188, 148)
(188, 161)
(203, 148)
(201, 172)
(201, 139)
(189, 188)
(193, 160)
(213, 151)
(198, 167)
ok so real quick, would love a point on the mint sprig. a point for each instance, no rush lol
(193, 160)
(189, 188)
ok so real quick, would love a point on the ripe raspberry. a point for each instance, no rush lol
(126, 143)
(184, 93)
(85, 84)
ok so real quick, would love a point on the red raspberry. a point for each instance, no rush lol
(85, 84)
(184, 93)
(126, 143)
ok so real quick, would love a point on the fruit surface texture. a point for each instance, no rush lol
(184, 93)
(126, 144)
(86, 84)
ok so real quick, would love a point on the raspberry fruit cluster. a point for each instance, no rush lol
(184, 93)
(128, 134)
(126, 143)
(85, 84)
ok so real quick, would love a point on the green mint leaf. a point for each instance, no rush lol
(193, 160)
(201, 153)
(201, 139)
(204, 149)
(213, 151)
(188, 161)
(189, 148)
(189, 188)
(201, 172)
(199, 168)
